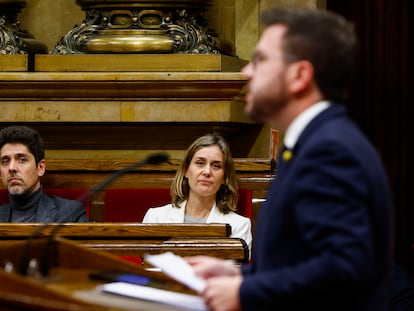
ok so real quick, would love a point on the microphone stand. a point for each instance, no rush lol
(24, 260)
(45, 262)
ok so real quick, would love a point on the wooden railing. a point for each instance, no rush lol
(131, 239)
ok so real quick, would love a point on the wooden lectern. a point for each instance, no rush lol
(66, 285)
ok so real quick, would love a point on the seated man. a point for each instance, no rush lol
(22, 165)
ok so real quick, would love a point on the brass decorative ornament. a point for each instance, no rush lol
(138, 26)
(14, 40)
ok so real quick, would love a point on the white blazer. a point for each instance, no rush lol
(240, 225)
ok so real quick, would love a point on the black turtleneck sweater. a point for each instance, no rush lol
(24, 207)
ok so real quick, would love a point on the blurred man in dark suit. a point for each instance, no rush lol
(323, 236)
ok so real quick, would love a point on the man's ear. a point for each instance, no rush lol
(300, 76)
(41, 168)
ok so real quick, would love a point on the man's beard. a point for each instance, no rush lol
(16, 190)
(263, 108)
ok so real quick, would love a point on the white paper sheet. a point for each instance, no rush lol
(177, 268)
(180, 300)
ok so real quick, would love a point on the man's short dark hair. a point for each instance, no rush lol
(323, 38)
(26, 136)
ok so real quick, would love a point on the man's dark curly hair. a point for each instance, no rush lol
(26, 136)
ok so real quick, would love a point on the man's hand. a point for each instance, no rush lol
(207, 267)
(223, 280)
(222, 293)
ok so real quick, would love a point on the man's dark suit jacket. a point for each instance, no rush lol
(52, 209)
(322, 240)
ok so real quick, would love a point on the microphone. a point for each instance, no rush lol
(157, 158)
(152, 159)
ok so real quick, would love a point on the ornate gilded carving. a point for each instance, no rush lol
(9, 42)
(189, 36)
(75, 40)
(14, 40)
(122, 26)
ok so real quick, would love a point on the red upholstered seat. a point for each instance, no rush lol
(4, 196)
(245, 204)
(68, 193)
(130, 205)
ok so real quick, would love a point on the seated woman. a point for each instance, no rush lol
(205, 190)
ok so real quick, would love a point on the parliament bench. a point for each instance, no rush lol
(123, 235)
(127, 205)
(130, 205)
(252, 174)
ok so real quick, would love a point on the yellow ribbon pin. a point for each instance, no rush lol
(287, 155)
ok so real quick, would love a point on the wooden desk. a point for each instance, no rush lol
(67, 285)
(132, 239)
(113, 230)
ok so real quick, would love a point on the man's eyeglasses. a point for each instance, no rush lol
(259, 58)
